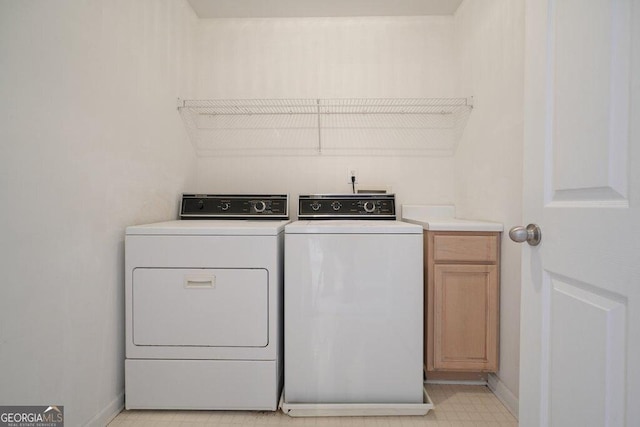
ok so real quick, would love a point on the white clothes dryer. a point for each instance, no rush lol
(203, 301)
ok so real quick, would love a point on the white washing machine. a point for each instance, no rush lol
(203, 306)
(353, 309)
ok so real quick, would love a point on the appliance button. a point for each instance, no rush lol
(336, 205)
(315, 206)
(201, 204)
(225, 206)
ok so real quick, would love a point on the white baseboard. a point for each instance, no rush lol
(105, 416)
(503, 394)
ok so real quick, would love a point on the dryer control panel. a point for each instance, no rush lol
(234, 206)
(347, 206)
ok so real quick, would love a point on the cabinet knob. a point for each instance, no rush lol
(530, 234)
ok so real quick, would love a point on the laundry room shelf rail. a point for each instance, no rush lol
(342, 126)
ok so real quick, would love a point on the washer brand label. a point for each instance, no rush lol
(32, 416)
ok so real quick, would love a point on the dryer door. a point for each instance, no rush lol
(200, 307)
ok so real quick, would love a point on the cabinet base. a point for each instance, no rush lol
(475, 377)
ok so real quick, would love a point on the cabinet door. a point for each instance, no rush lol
(466, 317)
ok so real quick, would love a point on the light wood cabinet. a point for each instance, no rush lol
(462, 283)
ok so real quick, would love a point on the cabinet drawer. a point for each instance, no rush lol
(463, 247)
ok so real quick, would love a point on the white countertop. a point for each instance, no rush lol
(442, 218)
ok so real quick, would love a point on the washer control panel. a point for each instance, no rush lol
(347, 206)
(232, 206)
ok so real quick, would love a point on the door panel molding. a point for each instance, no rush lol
(581, 170)
(597, 364)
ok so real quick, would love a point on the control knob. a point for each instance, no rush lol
(260, 206)
(225, 206)
(336, 205)
(369, 207)
(315, 206)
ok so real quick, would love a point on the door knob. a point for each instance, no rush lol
(530, 234)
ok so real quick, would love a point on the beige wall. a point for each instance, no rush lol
(489, 44)
(327, 58)
(91, 143)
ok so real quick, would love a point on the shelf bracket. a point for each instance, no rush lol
(319, 128)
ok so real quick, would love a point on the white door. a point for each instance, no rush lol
(580, 326)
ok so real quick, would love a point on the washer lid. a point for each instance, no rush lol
(203, 227)
(352, 227)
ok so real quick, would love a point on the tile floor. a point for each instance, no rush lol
(455, 406)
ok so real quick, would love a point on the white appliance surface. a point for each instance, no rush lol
(211, 227)
(353, 313)
(203, 304)
(202, 384)
(353, 226)
(200, 307)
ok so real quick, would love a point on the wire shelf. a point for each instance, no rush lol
(366, 126)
